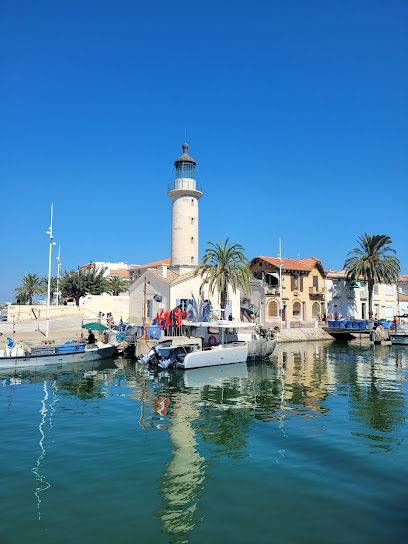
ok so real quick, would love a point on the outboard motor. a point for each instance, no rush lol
(149, 357)
(177, 355)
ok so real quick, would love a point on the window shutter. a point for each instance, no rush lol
(190, 309)
(301, 283)
(292, 283)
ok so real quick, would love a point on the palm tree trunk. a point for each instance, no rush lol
(224, 297)
(370, 298)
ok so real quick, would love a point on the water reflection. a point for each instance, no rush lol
(304, 389)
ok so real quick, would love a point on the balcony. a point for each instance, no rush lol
(317, 291)
(272, 290)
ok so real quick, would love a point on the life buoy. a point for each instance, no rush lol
(212, 340)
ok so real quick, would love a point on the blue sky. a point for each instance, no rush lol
(296, 113)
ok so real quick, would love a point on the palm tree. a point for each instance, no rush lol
(31, 285)
(224, 265)
(118, 285)
(373, 263)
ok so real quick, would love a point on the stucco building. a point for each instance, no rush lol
(303, 289)
(345, 298)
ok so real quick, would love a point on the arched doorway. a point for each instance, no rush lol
(315, 310)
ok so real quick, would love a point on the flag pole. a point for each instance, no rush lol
(280, 283)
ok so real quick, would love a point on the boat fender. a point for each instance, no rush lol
(212, 340)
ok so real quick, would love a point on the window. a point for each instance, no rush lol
(297, 309)
(273, 309)
(389, 289)
(149, 309)
(316, 282)
(192, 239)
(296, 282)
(192, 220)
(192, 260)
(183, 304)
(192, 202)
(375, 288)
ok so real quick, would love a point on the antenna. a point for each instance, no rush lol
(185, 135)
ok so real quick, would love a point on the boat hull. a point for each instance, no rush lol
(400, 339)
(215, 356)
(92, 354)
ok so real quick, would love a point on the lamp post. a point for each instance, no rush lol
(49, 232)
(58, 272)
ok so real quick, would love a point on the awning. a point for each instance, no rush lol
(354, 284)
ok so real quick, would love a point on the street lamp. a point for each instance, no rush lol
(49, 232)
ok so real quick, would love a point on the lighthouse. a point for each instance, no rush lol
(185, 193)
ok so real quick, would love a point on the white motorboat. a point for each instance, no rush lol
(72, 352)
(210, 344)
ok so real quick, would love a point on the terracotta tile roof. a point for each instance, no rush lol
(291, 264)
(403, 297)
(122, 272)
(155, 263)
(336, 273)
(403, 278)
(183, 277)
(171, 276)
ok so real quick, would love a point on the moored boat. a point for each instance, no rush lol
(210, 344)
(71, 352)
(399, 338)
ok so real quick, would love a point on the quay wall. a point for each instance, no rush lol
(92, 305)
(302, 335)
(24, 312)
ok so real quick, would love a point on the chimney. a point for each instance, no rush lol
(163, 271)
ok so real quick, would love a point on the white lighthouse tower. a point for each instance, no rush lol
(185, 193)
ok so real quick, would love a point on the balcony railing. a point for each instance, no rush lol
(317, 291)
(185, 184)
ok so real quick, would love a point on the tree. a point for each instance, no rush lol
(372, 262)
(78, 283)
(31, 285)
(53, 286)
(117, 285)
(224, 265)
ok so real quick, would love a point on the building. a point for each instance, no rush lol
(165, 284)
(346, 298)
(403, 294)
(120, 269)
(303, 289)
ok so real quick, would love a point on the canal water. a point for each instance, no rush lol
(309, 446)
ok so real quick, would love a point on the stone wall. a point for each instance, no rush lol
(301, 335)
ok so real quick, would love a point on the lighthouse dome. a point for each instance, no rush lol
(185, 157)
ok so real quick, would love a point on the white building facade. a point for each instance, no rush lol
(349, 299)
